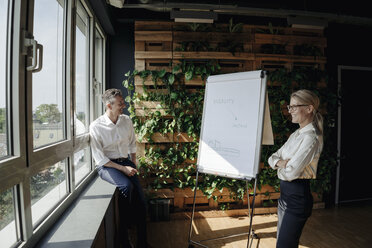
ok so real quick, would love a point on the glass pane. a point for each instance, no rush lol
(82, 70)
(47, 85)
(8, 233)
(3, 76)
(48, 188)
(82, 164)
(98, 66)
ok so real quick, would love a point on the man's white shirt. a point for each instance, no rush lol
(111, 141)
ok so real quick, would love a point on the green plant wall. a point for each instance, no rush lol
(179, 110)
(184, 111)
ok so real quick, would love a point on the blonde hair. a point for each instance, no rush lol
(310, 98)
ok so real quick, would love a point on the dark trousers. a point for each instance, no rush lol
(294, 208)
(132, 203)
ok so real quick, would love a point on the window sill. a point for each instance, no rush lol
(80, 223)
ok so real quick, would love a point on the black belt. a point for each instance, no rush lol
(120, 160)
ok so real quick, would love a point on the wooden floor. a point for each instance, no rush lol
(345, 226)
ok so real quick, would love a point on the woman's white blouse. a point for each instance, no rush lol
(303, 149)
(109, 140)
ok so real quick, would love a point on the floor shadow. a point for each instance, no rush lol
(203, 231)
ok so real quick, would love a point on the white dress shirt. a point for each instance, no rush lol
(111, 141)
(303, 149)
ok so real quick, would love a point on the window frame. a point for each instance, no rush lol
(16, 170)
(12, 165)
(97, 112)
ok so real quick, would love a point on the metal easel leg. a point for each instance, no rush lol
(192, 215)
(251, 231)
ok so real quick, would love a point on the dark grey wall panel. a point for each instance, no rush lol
(121, 60)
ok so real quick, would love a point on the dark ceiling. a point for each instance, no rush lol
(252, 11)
(356, 8)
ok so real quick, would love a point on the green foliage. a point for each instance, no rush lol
(44, 181)
(192, 69)
(307, 50)
(301, 78)
(194, 46)
(273, 49)
(269, 30)
(6, 208)
(172, 165)
(176, 161)
(40, 185)
(235, 28)
(48, 113)
(2, 120)
(231, 46)
(198, 27)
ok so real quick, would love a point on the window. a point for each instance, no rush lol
(98, 73)
(38, 139)
(47, 85)
(82, 69)
(48, 188)
(4, 146)
(82, 164)
(8, 234)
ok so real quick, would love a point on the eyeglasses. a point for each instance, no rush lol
(294, 107)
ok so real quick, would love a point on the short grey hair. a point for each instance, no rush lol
(109, 96)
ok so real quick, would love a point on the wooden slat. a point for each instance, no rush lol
(265, 188)
(148, 104)
(180, 36)
(196, 81)
(153, 55)
(153, 36)
(157, 46)
(290, 58)
(139, 46)
(157, 65)
(163, 193)
(148, 112)
(289, 40)
(198, 200)
(139, 65)
(140, 149)
(213, 55)
(153, 52)
(153, 26)
(168, 138)
(270, 196)
(140, 90)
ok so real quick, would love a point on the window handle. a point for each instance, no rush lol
(97, 86)
(37, 51)
(39, 48)
(30, 42)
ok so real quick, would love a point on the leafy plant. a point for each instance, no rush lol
(172, 165)
(198, 27)
(300, 78)
(269, 30)
(196, 46)
(231, 46)
(307, 50)
(273, 49)
(204, 69)
(235, 28)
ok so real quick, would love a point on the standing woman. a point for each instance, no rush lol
(296, 162)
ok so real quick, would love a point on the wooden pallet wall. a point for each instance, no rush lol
(157, 45)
